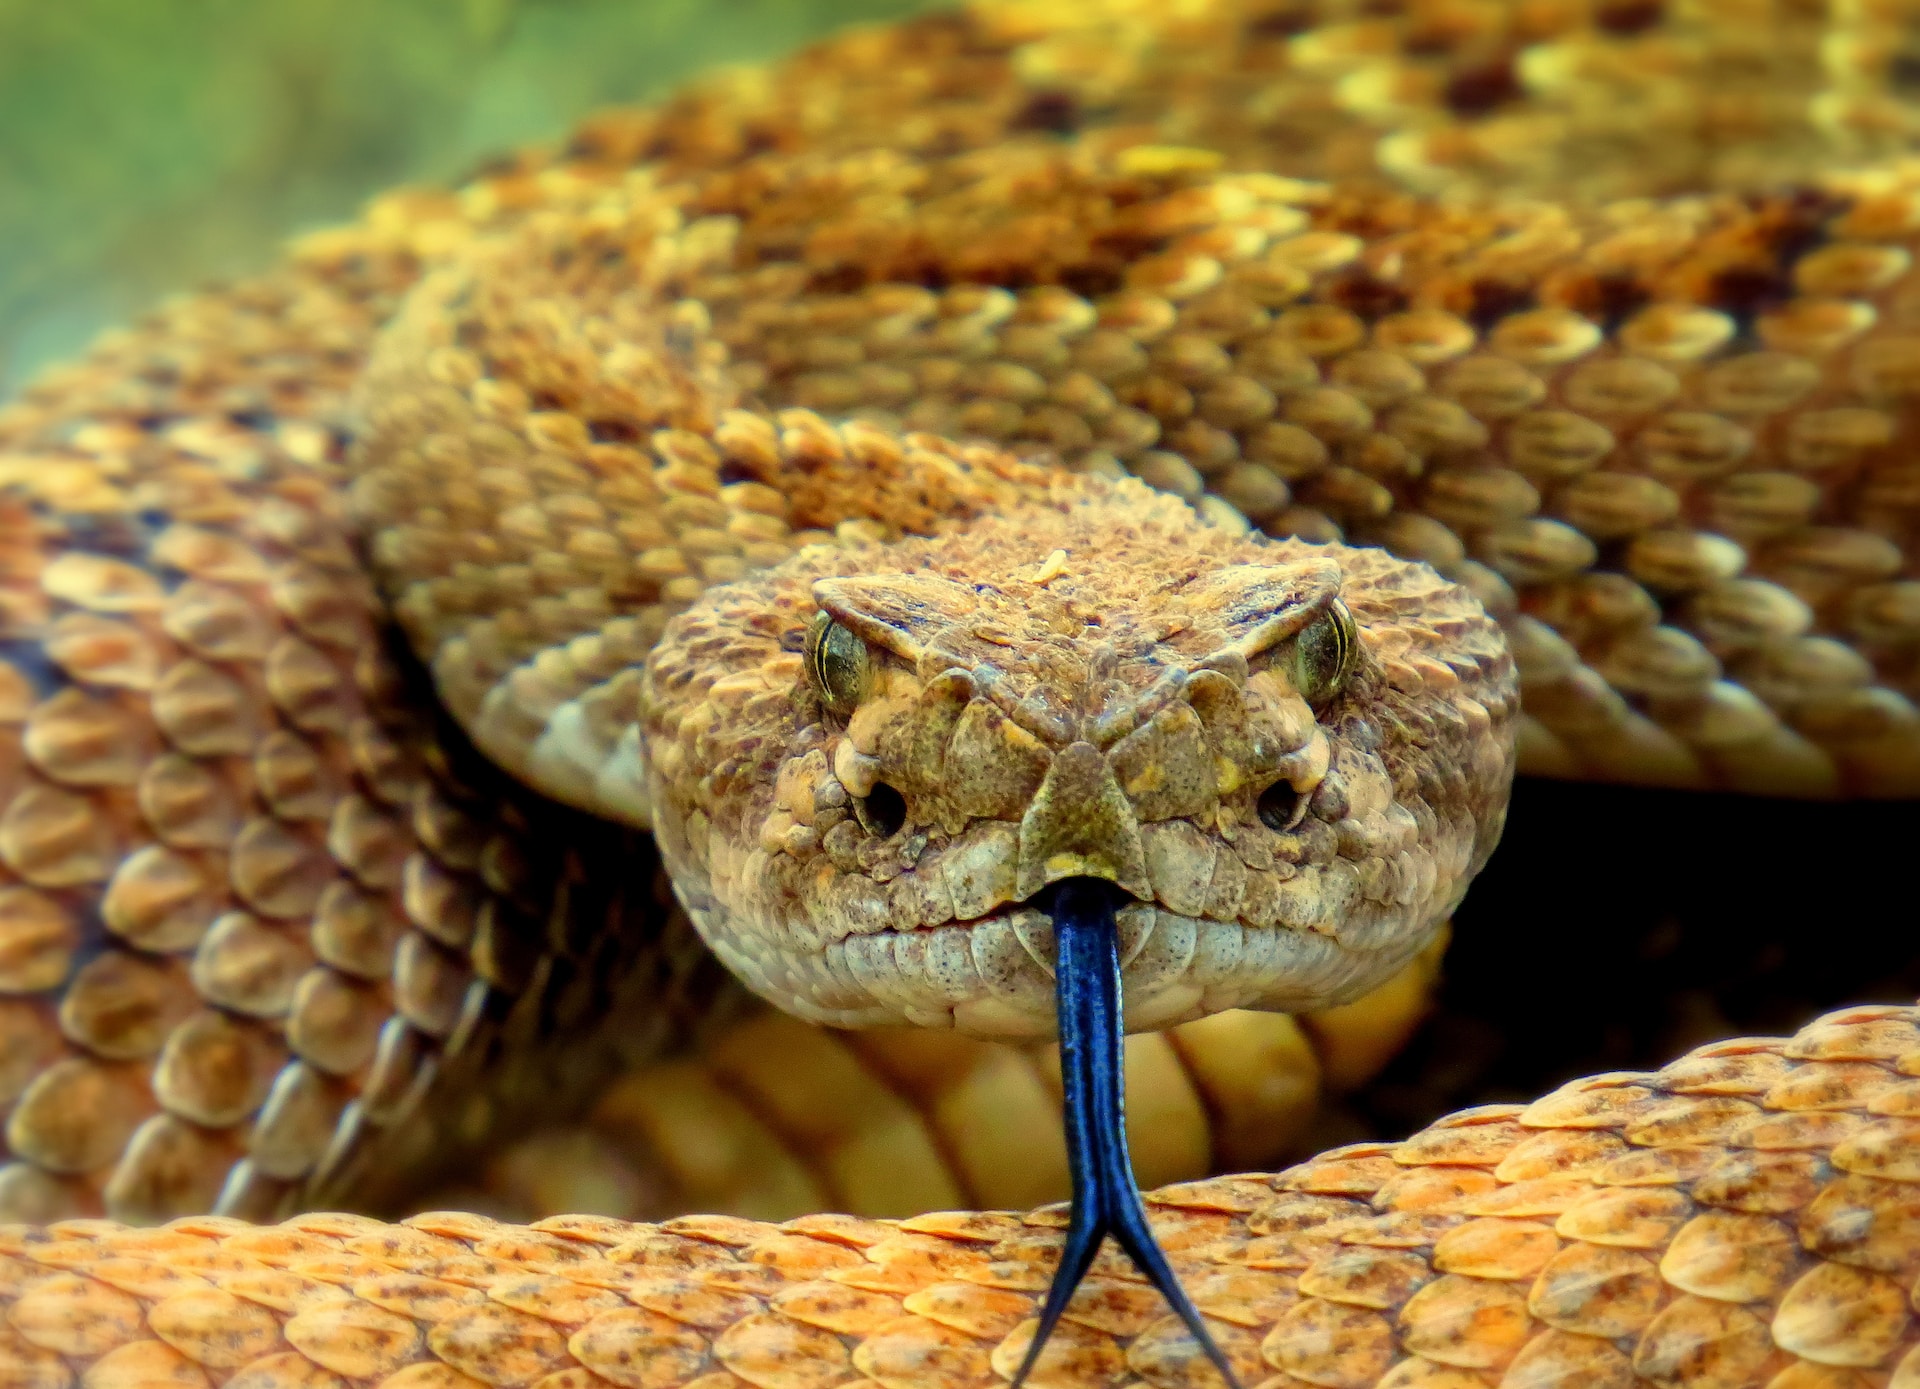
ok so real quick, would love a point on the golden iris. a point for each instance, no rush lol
(838, 664)
(1322, 657)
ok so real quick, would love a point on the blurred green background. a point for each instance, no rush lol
(150, 145)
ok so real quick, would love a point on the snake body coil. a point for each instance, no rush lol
(755, 471)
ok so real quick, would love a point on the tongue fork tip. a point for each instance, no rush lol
(1106, 1200)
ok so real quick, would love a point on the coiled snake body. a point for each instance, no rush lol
(754, 472)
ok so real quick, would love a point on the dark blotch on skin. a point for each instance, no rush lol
(1055, 112)
(1611, 299)
(1745, 290)
(1475, 91)
(1629, 16)
(1493, 300)
(1282, 23)
(1366, 296)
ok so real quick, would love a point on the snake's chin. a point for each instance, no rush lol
(993, 977)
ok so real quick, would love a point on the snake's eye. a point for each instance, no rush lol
(837, 664)
(1323, 655)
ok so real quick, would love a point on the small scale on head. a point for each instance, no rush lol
(869, 764)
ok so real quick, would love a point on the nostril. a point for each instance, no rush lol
(882, 811)
(1281, 807)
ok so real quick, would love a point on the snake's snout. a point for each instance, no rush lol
(1081, 824)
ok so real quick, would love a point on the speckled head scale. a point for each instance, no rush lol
(868, 764)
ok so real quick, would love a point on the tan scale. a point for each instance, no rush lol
(1742, 1216)
(774, 1118)
(266, 924)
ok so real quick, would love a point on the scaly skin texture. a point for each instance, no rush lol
(1036, 727)
(1742, 1217)
(273, 932)
(774, 1118)
(1096, 687)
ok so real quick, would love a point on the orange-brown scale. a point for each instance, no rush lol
(1742, 1217)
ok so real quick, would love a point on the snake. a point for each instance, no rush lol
(1041, 520)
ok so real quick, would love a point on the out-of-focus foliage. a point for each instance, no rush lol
(148, 145)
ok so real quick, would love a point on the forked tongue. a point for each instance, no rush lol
(1105, 1199)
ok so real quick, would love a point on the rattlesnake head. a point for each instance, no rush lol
(869, 764)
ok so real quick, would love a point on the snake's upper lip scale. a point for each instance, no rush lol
(1106, 1198)
(1041, 901)
(1026, 913)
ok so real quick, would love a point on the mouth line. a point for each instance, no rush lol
(1042, 901)
(1038, 902)
(1015, 916)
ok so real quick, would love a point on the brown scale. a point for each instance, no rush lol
(1742, 1217)
(253, 917)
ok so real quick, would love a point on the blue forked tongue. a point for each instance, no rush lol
(1105, 1199)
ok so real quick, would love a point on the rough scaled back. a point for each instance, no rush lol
(1637, 379)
